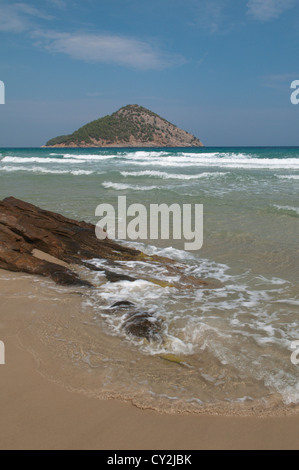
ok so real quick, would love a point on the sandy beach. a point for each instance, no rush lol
(37, 413)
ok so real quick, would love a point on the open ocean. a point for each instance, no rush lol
(229, 347)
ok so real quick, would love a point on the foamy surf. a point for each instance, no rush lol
(217, 336)
(172, 176)
(287, 209)
(124, 187)
(43, 170)
(224, 350)
(288, 177)
(41, 160)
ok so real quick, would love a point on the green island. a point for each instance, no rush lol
(130, 126)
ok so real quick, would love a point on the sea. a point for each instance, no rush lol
(228, 346)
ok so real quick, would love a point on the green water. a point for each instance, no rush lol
(240, 333)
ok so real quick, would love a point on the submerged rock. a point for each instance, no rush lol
(122, 304)
(143, 325)
(140, 324)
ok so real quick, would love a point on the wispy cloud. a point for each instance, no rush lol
(105, 48)
(279, 81)
(58, 3)
(17, 17)
(266, 10)
(89, 47)
(213, 16)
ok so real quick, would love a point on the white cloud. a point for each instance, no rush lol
(16, 18)
(88, 47)
(105, 48)
(266, 10)
(279, 81)
(213, 16)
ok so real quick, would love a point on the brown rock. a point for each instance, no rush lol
(25, 228)
(36, 241)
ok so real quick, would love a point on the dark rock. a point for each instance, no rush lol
(115, 277)
(143, 325)
(122, 304)
(140, 324)
(25, 227)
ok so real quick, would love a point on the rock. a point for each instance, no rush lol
(140, 324)
(115, 277)
(122, 304)
(143, 325)
(40, 242)
(26, 230)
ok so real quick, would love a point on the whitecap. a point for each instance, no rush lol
(39, 160)
(164, 175)
(124, 187)
(287, 208)
(36, 169)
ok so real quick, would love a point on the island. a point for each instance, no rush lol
(130, 126)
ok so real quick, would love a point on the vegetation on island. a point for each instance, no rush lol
(130, 123)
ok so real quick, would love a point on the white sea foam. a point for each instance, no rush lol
(37, 169)
(236, 161)
(170, 159)
(123, 187)
(140, 154)
(288, 177)
(287, 208)
(170, 176)
(40, 160)
(238, 322)
(69, 156)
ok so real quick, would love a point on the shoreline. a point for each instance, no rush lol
(40, 414)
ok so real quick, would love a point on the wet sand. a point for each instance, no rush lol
(39, 414)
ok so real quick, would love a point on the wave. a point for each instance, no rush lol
(69, 156)
(164, 175)
(237, 162)
(287, 209)
(175, 159)
(231, 323)
(288, 177)
(12, 169)
(123, 187)
(39, 160)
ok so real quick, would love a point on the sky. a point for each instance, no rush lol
(220, 69)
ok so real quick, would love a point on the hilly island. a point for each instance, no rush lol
(130, 126)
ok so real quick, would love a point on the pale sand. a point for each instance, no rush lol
(39, 414)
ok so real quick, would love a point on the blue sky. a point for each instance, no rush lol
(221, 69)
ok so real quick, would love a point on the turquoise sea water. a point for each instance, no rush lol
(236, 340)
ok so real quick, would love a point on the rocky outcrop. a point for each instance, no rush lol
(130, 126)
(25, 228)
(36, 241)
